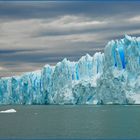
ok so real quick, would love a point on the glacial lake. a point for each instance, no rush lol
(70, 121)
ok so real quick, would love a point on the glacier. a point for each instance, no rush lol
(112, 77)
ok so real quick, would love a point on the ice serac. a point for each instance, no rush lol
(120, 81)
(62, 81)
(112, 77)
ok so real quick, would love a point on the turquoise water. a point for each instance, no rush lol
(69, 121)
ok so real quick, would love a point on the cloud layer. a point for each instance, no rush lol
(35, 33)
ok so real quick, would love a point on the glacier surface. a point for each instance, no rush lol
(112, 77)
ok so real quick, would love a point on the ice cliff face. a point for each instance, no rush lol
(112, 77)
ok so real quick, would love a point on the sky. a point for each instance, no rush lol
(35, 33)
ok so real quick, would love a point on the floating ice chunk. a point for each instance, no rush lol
(8, 111)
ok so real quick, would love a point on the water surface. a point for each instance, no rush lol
(70, 121)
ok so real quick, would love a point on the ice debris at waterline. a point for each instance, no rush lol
(112, 77)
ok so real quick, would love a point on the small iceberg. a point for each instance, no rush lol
(8, 111)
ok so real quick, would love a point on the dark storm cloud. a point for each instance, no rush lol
(20, 10)
(42, 56)
(35, 33)
(10, 51)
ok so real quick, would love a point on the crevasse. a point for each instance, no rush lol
(112, 77)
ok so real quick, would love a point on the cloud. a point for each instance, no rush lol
(50, 9)
(134, 19)
(35, 33)
(1, 68)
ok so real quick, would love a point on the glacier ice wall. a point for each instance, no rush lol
(112, 77)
